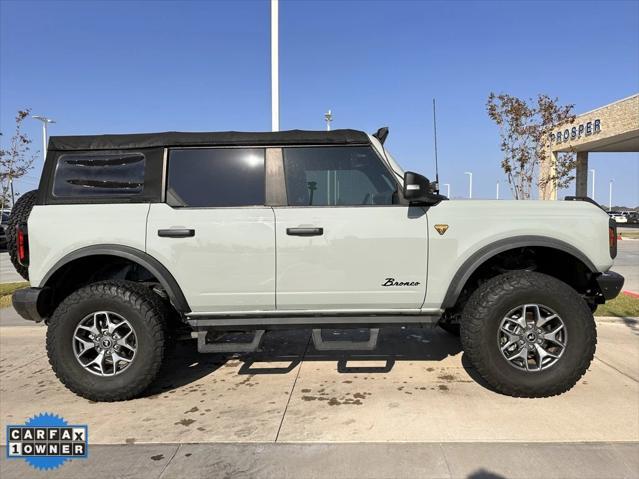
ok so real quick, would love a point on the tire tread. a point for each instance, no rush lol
(478, 309)
(138, 297)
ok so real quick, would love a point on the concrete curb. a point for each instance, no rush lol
(617, 319)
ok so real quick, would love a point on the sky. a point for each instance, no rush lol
(123, 67)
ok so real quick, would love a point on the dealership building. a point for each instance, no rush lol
(610, 128)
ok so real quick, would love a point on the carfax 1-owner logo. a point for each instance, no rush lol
(46, 441)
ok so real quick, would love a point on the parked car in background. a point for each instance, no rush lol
(633, 217)
(618, 217)
(621, 218)
(3, 229)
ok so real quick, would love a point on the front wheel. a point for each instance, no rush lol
(528, 334)
(106, 341)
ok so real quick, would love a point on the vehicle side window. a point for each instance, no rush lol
(99, 175)
(216, 177)
(337, 176)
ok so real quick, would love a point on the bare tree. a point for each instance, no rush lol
(524, 129)
(16, 160)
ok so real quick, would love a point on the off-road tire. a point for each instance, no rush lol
(481, 319)
(135, 302)
(19, 215)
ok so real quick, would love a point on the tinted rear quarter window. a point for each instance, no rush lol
(99, 175)
(216, 177)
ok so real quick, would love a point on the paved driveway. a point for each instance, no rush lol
(627, 263)
(8, 273)
(417, 388)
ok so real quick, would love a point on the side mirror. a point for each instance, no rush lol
(419, 190)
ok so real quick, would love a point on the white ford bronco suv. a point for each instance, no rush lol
(132, 238)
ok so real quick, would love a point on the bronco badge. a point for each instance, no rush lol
(392, 282)
(441, 229)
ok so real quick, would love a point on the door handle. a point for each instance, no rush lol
(176, 233)
(305, 231)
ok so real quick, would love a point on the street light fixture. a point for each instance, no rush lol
(328, 116)
(275, 67)
(45, 122)
(610, 196)
(470, 184)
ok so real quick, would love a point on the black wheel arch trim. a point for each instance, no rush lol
(485, 253)
(135, 255)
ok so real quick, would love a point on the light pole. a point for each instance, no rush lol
(610, 196)
(593, 184)
(45, 122)
(497, 197)
(328, 116)
(470, 184)
(447, 185)
(275, 62)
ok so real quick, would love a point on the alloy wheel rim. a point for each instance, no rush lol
(104, 343)
(532, 337)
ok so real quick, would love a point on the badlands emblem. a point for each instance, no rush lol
(441, 229)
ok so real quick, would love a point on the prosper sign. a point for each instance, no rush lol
(577, 131)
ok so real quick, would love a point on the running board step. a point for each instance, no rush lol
(338, 345)
(228, 347)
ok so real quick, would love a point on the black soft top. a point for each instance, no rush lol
(223, 138)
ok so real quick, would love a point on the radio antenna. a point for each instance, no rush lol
(435, 134)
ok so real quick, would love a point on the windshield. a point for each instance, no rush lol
(387, 156)
(395, 166)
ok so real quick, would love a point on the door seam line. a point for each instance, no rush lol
(275, 257)
(146, 229)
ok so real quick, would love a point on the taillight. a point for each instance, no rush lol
(22, 244)
(612, 237)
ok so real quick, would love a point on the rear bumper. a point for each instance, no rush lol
(610, 284)
(33, 304)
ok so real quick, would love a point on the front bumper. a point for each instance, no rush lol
(33, 304)
(610, 284)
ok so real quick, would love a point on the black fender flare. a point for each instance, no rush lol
(145, 260)
(485, 253)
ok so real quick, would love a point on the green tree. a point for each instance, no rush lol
(524, 130)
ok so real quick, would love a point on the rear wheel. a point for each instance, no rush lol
(106, 341)
(19, 215)
(528, 334)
